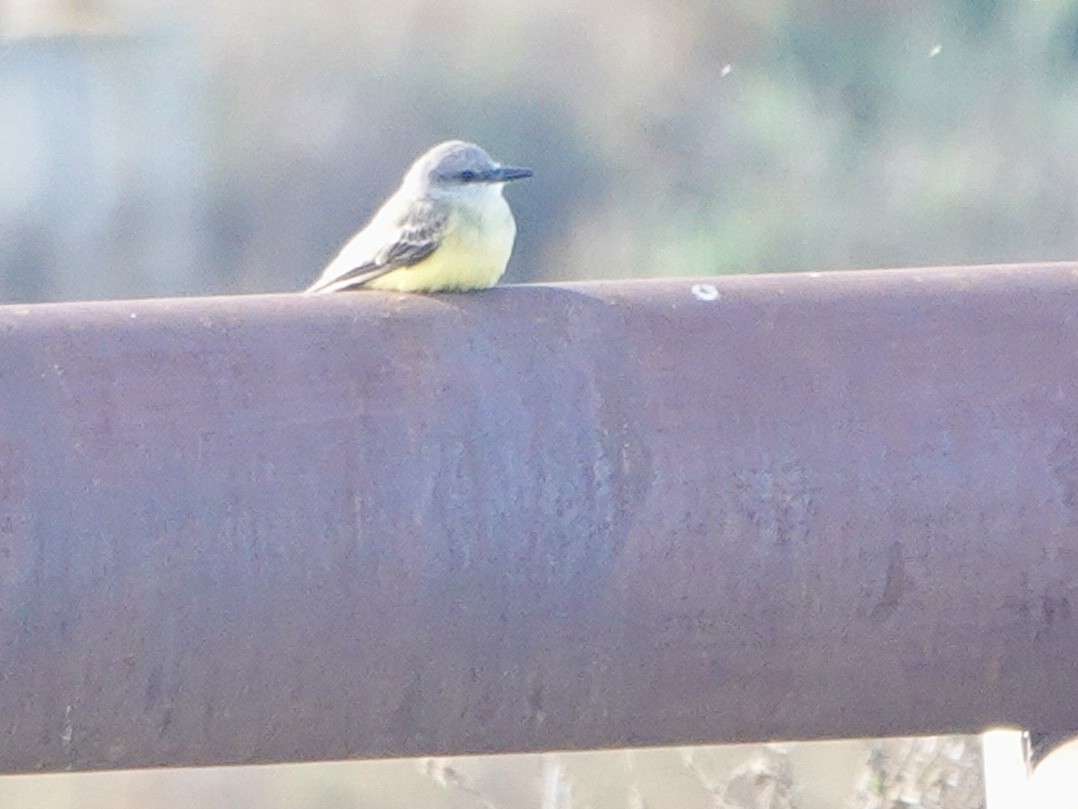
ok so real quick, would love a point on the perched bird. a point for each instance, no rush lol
(447, 228)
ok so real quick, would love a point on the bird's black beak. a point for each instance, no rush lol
(505, 174)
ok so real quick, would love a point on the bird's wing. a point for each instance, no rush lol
(413, 234)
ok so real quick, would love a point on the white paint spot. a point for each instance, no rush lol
(705, 292)
(67, 731)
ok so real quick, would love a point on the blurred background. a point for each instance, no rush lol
(174, 147)
(191, 147)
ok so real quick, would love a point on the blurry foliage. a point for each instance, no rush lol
(688, 138)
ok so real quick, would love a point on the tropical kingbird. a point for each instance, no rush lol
(447, 227)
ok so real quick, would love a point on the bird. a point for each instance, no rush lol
(447, 228)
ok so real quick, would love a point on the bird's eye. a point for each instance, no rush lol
(468, 175)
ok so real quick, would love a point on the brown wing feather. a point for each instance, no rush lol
(419, 232)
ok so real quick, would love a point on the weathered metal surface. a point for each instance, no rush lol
(282, 528)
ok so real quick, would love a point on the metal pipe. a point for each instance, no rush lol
(277, 528)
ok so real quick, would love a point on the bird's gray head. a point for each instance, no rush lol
(457, 163)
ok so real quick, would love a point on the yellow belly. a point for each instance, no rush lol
(472, 255)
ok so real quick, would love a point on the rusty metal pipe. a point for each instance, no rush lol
(280, 528)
